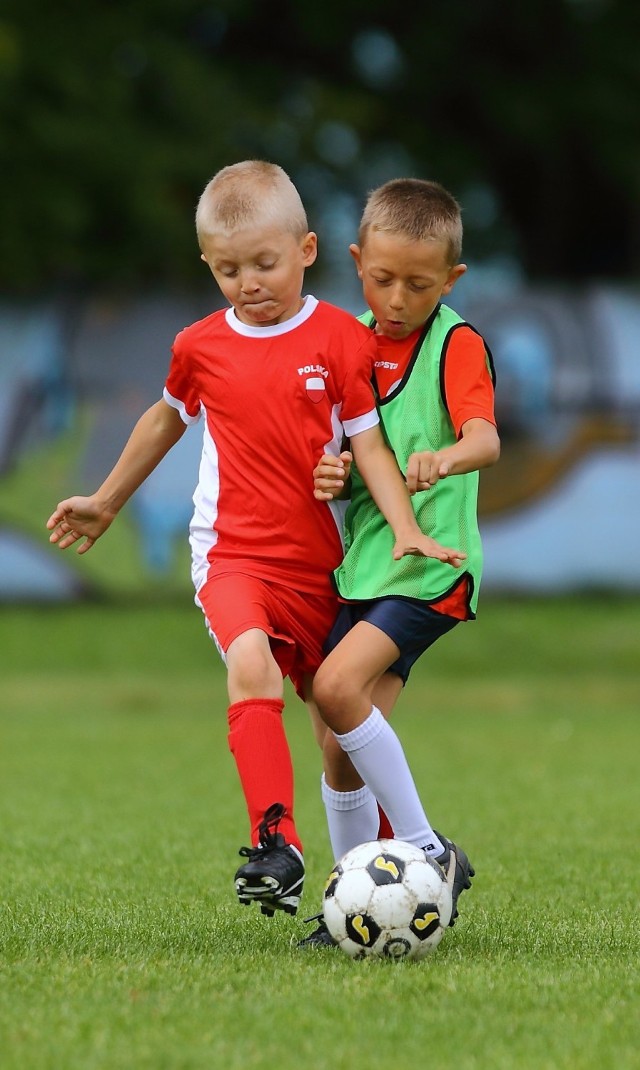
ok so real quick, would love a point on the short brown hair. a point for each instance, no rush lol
(418, 209)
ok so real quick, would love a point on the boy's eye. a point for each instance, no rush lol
(414, 286)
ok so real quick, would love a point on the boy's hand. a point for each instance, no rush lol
(425, 469)
(424, 546)
(330, 476)
(77, 518)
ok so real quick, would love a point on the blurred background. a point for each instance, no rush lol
(114, 116)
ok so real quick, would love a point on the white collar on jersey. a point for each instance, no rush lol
(308, 308)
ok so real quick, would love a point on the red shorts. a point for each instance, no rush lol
(297, 624)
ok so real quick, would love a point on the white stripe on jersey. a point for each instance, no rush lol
(175, 403)
(337, 508)
(361, 423)
(274, 329)
(202, 530)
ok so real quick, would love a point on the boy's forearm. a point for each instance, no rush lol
(80, 521)
(151, 439)
(478, 447)
(386, 485)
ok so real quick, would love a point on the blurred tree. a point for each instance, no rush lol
(113, 116)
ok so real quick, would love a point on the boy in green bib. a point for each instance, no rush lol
(434, 381)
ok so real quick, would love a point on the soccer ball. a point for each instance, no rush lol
(387, 899)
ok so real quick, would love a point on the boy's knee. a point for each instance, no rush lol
(252, 670)
(334, 693)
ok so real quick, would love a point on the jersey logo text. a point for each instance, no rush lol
(313, 369)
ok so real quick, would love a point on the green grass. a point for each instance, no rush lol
(121, 945)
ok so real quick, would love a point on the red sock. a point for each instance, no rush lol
(259, 745)
(385, 832)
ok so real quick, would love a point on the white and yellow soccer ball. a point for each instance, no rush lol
(387, 899)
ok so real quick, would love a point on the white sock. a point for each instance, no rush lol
(377, 754)
(352, 817)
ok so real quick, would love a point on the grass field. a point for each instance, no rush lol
(122, 946)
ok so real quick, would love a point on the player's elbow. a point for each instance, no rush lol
(494, 450)
(489, 446)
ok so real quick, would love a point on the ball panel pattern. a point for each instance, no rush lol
(387, 899)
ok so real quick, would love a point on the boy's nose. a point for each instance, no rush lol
(396, 299)
(249, 282)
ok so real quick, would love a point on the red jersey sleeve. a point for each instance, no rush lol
(179, 389)
(467, 380)
(359, 410)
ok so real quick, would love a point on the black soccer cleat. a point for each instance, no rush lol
(457, 869)
(274, 874)
(320, 937)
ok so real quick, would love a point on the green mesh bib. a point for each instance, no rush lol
(414, 418)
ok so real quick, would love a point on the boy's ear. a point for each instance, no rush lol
(309, 248)
(355, 252)
(455, 273)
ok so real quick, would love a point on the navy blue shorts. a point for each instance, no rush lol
(412, 625)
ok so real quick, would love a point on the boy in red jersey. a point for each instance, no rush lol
(275, 375)
(434, 380)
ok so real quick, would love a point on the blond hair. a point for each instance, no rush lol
(417, 209)
(250, 193)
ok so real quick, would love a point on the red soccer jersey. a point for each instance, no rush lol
(274, 400)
